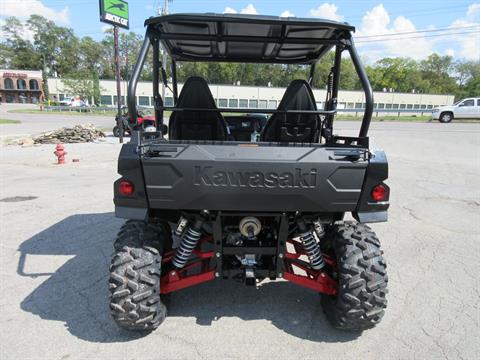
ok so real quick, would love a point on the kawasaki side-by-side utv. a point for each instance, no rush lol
(205, 203)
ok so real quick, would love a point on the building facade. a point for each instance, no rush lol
(258, 97)
(21, 86)
(24, 86)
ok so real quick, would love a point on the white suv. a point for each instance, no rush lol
(464, 109)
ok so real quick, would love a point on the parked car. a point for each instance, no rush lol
(463, 109)
(73, 101)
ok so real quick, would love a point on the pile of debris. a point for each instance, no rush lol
(77, 134)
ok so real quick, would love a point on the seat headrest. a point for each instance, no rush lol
(197, 125)
(298, 96)
(294, 127)
(196, 93)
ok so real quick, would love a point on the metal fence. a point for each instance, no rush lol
(93, 109)
(389, 112)
(357, 112)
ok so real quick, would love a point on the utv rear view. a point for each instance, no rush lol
(205, 201)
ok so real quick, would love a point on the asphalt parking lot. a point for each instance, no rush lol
(57, 230)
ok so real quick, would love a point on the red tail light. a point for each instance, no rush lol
(379, 193)
(125, 188)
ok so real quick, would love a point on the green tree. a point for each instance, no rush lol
(348, 76)
(85, 85)
(56, 50)
(436, 70)
(46, 90)
(399, 74)
(57, 46)
(468, 79)
(16, 51)
(129, 45)
(90, 56)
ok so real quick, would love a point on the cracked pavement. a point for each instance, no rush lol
(56, 247)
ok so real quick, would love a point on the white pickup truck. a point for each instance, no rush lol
(464, 109)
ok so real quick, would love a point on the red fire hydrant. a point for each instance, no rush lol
(60, 153)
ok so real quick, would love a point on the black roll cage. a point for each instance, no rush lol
(153, 38)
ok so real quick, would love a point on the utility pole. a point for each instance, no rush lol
(117, 76)
(117, 15)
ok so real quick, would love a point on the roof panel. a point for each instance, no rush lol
(247, 38)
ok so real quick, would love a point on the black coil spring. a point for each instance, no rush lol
(189, 242)
(313, 250)
(330, 81)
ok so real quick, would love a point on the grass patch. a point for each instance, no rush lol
(71, 113)
(8, 121)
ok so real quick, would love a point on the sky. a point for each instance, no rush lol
(389, 28)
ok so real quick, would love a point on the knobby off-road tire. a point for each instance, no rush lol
(135, 275)
(116, 131)
(361, 300)
(156, 234)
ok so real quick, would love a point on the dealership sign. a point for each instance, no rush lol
(14, 75)
(114, 12)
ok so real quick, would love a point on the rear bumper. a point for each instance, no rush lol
(372, 216)
(126, 212)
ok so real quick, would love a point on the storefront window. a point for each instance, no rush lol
(122, 100)
(21, 84)
(144, 101)
(104, 99)
(33, 84)
(8, 84)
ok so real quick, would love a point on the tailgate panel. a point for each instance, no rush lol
(251, 178)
